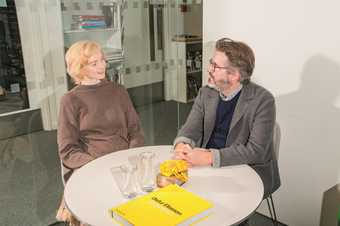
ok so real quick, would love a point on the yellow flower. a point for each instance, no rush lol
(176, 168)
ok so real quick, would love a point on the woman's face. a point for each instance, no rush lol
(95, 67)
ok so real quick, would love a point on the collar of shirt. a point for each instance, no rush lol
(232, 95)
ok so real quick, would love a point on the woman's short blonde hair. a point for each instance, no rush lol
(77, 57)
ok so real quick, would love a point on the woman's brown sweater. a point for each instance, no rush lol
(95, 120)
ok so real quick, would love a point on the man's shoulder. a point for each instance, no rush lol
(206, 90)
(259, 91)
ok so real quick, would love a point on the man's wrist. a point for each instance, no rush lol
(216, 157)
(211, 158)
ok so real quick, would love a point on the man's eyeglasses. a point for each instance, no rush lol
(214, 66)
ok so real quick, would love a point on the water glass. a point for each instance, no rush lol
(125, 178)
(147, 171)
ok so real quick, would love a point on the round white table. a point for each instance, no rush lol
(236, 191)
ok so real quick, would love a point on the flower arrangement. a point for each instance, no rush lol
(172, 172)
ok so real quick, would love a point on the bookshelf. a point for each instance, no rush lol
(91, 30)
(189, 69)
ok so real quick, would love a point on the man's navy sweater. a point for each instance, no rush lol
(224, 114)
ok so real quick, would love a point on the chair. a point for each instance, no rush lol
(65, 173)
(269, 199)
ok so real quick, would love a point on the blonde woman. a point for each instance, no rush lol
(96, 117)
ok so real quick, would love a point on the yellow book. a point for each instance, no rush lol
(168, 206)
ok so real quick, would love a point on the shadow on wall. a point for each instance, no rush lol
(310, 149)
(330, 206)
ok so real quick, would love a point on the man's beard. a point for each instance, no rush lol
(212, 84)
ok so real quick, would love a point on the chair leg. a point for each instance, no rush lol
(274, 211)
(271, 209)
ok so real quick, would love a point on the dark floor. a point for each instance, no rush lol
(30, 182)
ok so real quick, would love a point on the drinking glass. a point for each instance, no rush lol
(147, 171)
(125, 178)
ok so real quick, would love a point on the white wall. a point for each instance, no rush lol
(297, 47)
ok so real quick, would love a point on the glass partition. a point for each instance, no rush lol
(153, 48)
(13, 88)
(154, 44)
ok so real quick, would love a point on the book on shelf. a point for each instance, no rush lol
(168, 206)
(92, 24)
(87, 17)
(88, 21)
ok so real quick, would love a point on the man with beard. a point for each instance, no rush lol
(232, 119)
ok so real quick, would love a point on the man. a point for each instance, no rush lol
(232, 119)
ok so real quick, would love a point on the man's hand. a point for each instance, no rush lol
(181, 149)
(199, 157)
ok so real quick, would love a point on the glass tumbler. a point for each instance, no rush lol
(147, 171)
(125, 178)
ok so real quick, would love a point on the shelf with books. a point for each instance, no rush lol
(189, 74)
(194, 71)
(91, 30)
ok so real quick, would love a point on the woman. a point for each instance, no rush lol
(96, 117)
